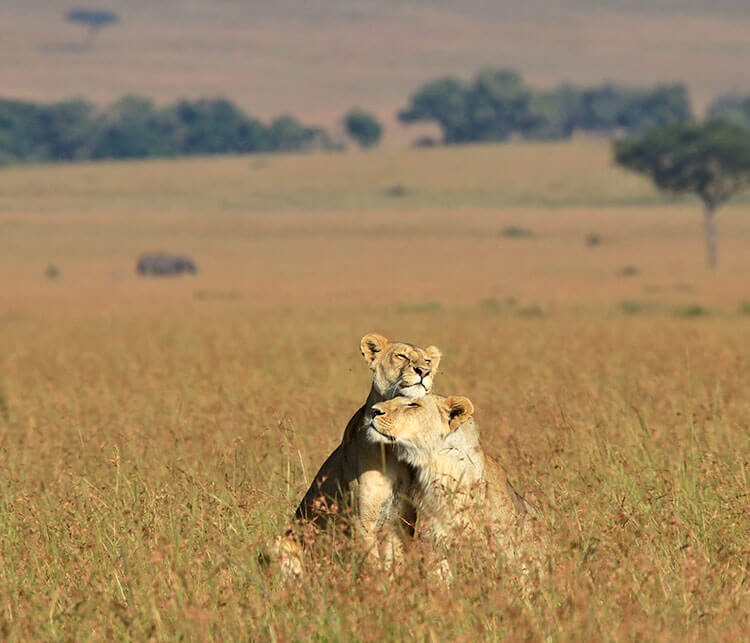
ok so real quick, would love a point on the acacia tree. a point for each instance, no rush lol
(94, 19)
(711, 160)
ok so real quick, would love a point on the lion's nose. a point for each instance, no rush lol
(422, 371)
(376, 411)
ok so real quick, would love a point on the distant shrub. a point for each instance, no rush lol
(52, 272)
(533, 310)
(134, 127)
(627, 271)
(632, 307)
(363, 127)
(593, 240)
(490, 305)
(493, 305)
(515, 232)
(744, 308)
(397, 191)
(287, 134)
(691, 310)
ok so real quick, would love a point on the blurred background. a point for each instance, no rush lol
(316, 60)
(324, 111)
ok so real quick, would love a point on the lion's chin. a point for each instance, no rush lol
(373, 435)
(413, 392)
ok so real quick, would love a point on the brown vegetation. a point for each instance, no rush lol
(154, 434)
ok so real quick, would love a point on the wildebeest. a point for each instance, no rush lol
(161, 264)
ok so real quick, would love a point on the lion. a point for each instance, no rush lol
(362, 479)
(458, 490)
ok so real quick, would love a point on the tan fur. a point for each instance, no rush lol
(362, 479)
(459, 491)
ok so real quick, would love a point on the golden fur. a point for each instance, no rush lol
(458, 490)
(362, 479)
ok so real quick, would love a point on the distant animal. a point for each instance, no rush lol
(161, 264)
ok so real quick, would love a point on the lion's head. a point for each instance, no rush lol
(418, 426)
(399, 368)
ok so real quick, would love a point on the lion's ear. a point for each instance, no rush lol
(371, 345)
(433, 352)
(460, 409)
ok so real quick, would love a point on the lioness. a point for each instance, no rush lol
(363, 476)
(458, 491)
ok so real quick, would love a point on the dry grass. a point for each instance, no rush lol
(148, 460)
(154, 434)
(579, 173)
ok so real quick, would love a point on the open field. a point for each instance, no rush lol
(154, 434)
(293, 230)
(319, 59)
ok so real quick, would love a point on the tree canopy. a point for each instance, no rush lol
(711, 159)
(94, 19)
(363, 127)
(732, 108)
(135, 127)
(497, 105)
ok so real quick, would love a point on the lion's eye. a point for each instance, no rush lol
(402, 356)
(413, 405)
(428, 361)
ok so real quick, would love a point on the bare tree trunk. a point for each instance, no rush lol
(709, 228)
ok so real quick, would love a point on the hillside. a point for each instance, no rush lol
(318, 60)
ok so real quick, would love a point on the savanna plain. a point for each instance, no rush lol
(155, 434)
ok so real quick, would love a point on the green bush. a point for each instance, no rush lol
(397, 191)
(732, 108)
(533, 310)
(516, 232)
(691, 310)
(633, 307)
(135, 127)
(497, 104)
(627, 271)
(363, 127)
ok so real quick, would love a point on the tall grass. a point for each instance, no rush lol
(147, 460)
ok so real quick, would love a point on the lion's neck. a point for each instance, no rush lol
(362, 418)
(374, 397)
(449, 479)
